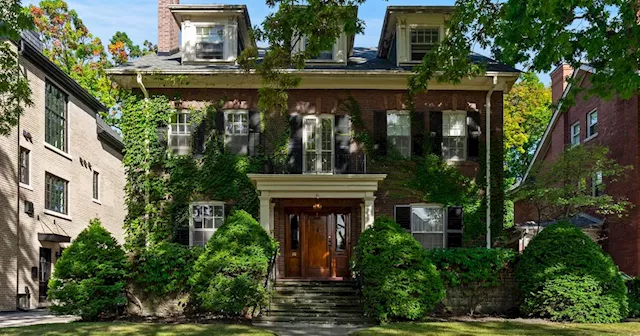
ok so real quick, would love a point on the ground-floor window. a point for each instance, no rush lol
(433, 225)
(206, 217)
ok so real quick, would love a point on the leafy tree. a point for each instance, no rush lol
(122, 49)
(14, 87)
(565, 187)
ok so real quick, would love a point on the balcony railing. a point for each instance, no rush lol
(323, 163)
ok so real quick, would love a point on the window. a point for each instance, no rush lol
(592, 124)
(206, 217)
(423, 41)
(180, 132)
(55, 194)
(210, 43)
(324, 55)
(96, 185)
(341, 233)
(236, 122)
(25, 166)
(55, 117)
(597, 187)
(427, 225)
(317, 136)
(399, 131)
(575, 134)
(294, 230)
(454, 136)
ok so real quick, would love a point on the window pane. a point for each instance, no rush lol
(24, 165)
(55, 194)
(55, 117)
(430, 240)
(294, 230)
(341, 233)
(427, 219)
(423, 41)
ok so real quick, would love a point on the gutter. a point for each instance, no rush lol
(488, 155)
(20, 54)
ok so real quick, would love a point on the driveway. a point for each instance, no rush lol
(26, 318)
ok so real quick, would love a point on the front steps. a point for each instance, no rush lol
(315, 302)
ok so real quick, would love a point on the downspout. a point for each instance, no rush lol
(488, 155)
(146, 141)
(20, 51)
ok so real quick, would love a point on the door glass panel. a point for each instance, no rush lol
(341, 233)
(295, 231)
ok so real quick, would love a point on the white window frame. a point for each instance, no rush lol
(213, 218)
(589, 134)
(244, 126)
(318, 150)
(403, 113)
(465, 150)
(410, 42)
(594, 186)
(444, 220)
(224, 41)
(574, 134)
(29, 165)
(187, 132)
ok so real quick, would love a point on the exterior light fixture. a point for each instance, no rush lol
(317, 206)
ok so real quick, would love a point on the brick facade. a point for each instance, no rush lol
(168, 29)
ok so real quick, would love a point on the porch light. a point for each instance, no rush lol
(317, 206)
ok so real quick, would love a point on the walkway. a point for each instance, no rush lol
(26, 318)
(296, 329)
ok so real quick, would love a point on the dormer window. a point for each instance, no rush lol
(423, 41)
(325, 55)
(210, 43)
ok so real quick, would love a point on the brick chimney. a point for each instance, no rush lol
(168, 29)
(558, 81)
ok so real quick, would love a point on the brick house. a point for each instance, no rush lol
(324, 167)
(60, 167)
(614, 124)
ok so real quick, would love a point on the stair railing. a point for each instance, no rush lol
(272, 277)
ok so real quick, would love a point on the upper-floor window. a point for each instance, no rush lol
(55, 194)
(399, 131)
(575, 134)
(454, 135)
(55, 117)
(592, 124)
(206, 217)
(597, 187)
(317, 137)
(324, 55)
(423, 41)
(210, 42)
(96, 185)
(236, 122)
(180, 132)
(25, 166)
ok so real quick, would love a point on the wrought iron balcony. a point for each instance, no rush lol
(312, 163)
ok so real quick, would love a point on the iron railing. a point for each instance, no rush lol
(316, 163)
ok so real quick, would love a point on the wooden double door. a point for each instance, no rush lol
(317, 245)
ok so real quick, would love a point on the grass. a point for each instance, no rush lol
(503, 328)
(131, 329)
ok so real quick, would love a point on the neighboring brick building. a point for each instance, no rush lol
(59, 168)
(614, 124)
(324, 165)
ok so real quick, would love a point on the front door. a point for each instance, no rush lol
(45, 272)
(316, 254)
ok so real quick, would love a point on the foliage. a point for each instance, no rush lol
(230, 275)
(128, 328)
(15, 93)
(122, 49)
(398, 280)
(89, 278)
(565, 276)
(633, 296)
(560, 189)
(164, 268)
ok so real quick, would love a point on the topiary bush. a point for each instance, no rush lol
(565, 276)
(89, 278)
(164, 268)
(229, 276)
(398, 281)
(633, 295)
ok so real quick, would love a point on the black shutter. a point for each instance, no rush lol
(220, 122)
(380, 132)
(435, 125)
(200, 138)
(342, 143)
(254, 132)
(474, 132)
(182, 236)
(295, 145)
(162, 133)
(402, 216)
(455, 226)
(417, 133)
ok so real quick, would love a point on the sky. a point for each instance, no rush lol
(139, 18)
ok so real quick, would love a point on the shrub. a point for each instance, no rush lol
(229, 276)
(164, 268)
(397, 278)
(565, 276)
(89, 278)
(633, 294)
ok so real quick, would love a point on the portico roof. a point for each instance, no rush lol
(317, 185)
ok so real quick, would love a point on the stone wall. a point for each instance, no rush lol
(143, 304)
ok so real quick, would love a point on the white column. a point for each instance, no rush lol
(265, 209)
(367, 219)
(272, 225)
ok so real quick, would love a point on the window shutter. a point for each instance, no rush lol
(455, 226)
(435, 123)
(402, 214)
(200, 138)
(182, 236)
(474, 132)
(220, 122)
(342, 143)
(295, 144)
(254, 132)
(417, 133)
(380, 132)
(163, 135)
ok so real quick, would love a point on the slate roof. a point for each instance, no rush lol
(363, 59)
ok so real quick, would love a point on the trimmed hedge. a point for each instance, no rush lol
(398, 280)
(633, 295)
(565, 276)
(461, 267)
(89, 278)
(229, 276)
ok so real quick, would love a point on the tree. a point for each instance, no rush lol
(573, 183)
(122, 49)
(14, 87)
(527, 110)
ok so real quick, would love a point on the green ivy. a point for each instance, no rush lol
(467, 267)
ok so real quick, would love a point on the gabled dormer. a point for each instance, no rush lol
(338, 54)
(410, 32)
(212, 33)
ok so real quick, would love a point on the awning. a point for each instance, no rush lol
(53, 237)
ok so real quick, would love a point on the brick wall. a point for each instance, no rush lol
(168, 29)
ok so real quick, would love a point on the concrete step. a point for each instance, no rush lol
(317, 307)
(327, 290)
(313, 300)
(315, 283)
(313, 295)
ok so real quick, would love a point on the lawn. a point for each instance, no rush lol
(131, 329)
(502, 328)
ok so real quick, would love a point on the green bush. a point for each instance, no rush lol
(229, 276)
(463, 267)
(398, 280)
(633, 294)
(89, 278)
(164, 268)
(565, 276)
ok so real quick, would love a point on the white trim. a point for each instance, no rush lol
(58, 151)
(466, 135)
(444, 220)
(192, 228)
(236, 112)
(591, 136)
(403, 113)
(318, 139)
(197, 25)
(67, 131)
(29, 167)
(57, 214)
(412, 27)
(26, 186)
(572, 135)
(180, 149)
